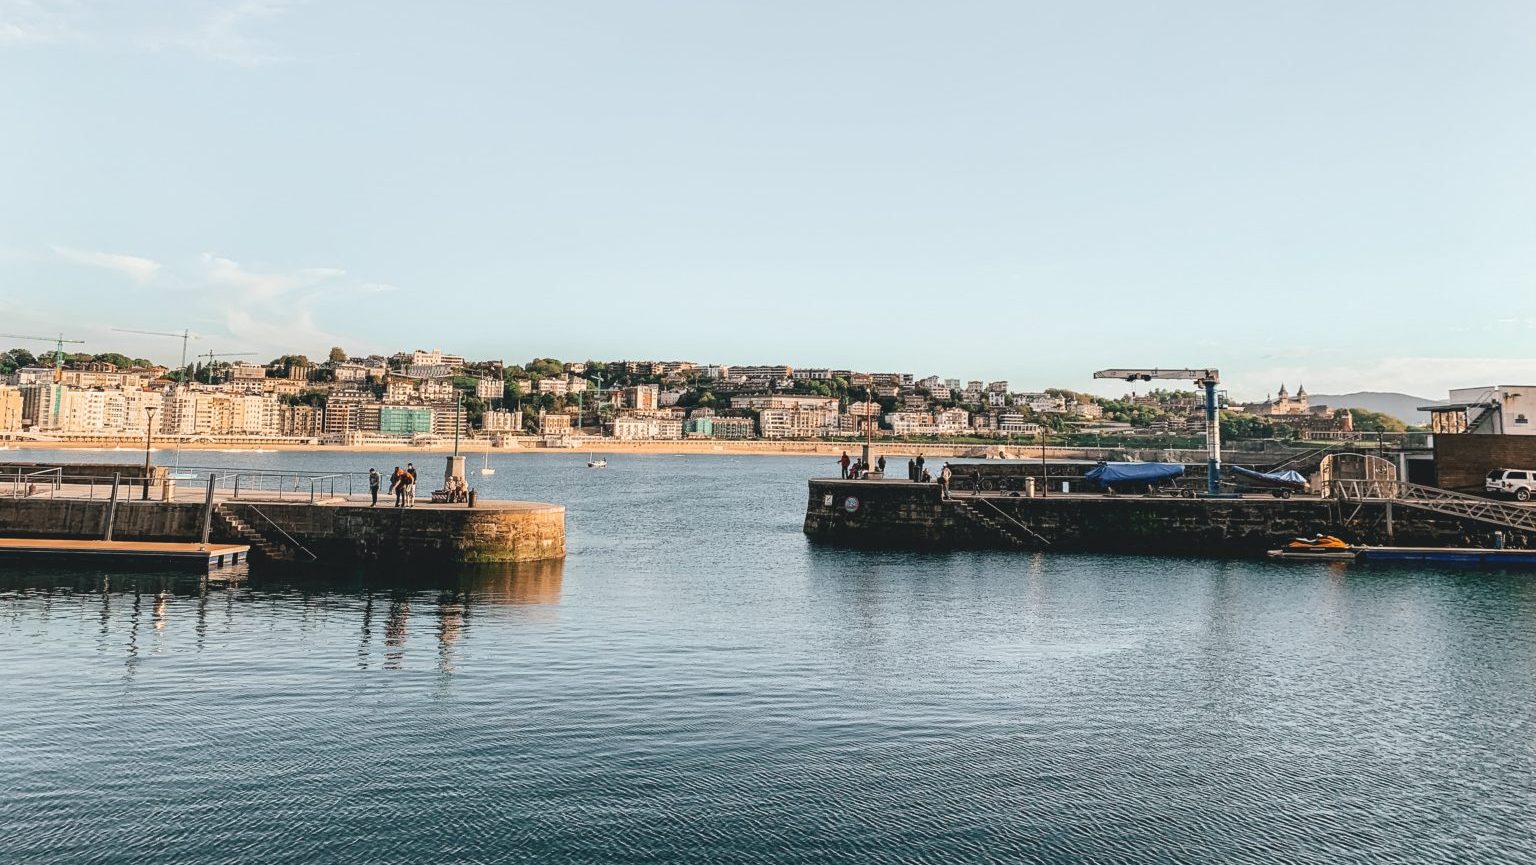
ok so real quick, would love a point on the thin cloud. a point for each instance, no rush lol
(37, 21)
(140, 270)
(224, 34)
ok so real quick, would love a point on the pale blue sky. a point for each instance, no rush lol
(1341, 193)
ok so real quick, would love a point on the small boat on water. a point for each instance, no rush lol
(596, 462)
(1319, 547)
(486, 468)
(1331, 549)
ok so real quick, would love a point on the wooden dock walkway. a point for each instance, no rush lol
(180, 555)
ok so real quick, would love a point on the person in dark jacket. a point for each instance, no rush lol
(844, 463)
(397, 486)
(373, 486)
(912, 470)
(880, 465)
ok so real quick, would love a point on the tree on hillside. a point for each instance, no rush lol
(15, 359)
(1236, 427)
(338, 354)
(545, 367)
(1375, 421)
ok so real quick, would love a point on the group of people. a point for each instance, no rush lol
(856, 469)
(916, 472)
(402, 482)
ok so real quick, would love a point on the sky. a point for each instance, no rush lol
(1341, 195)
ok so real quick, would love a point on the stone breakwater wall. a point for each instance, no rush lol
(896, 514)
(499, 532)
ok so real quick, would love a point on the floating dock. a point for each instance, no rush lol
(168, 554)
(1448, 555)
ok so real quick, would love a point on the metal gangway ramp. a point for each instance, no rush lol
(1437, 500)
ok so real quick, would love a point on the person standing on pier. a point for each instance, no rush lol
(844, 463)
(912, 470)
(373, 486)
(410, 469)
(944, 475)
(880, 465)
(919, 465)
(397, 486)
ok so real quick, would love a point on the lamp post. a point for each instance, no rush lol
(149, 436)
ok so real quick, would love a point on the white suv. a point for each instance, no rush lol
(1512, 482)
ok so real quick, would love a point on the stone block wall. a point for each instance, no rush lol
(913, 516)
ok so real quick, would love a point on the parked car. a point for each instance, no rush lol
(1520, 483)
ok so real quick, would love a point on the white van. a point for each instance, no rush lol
(1520, 483)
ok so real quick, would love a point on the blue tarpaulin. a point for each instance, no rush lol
(1105, 474)
(1289, 479)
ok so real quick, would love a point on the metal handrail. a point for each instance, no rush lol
(290, 538)
(1436, 500)
(1009, 517)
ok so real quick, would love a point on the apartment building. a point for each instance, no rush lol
(798, 423)
(502, 420)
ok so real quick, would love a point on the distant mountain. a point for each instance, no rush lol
(1402, 406)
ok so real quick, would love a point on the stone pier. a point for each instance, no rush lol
(912, 515)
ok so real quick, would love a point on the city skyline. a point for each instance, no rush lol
(1011, 192)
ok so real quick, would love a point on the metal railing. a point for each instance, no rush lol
(24, 484)
(1012, 520)
(289, 486)
(1436, 500)
(292, 541)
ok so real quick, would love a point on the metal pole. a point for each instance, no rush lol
(208, 510)
(1212, 440)
(1045, 469)
(149, 434)
(111, 508)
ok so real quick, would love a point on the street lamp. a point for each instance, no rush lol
(149, 435)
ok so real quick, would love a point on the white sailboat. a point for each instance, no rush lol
(486, 469)
(596, 462)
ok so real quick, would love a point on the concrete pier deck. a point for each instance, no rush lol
(296, 517)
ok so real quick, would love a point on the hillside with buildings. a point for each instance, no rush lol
(427, 397)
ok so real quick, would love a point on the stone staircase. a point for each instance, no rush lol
(235, 526)
(998, 523)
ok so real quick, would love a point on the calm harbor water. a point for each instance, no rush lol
(697, 683)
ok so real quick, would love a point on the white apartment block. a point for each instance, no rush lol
(636, 427)
(798, 423)
(768, 400)
(502, 420)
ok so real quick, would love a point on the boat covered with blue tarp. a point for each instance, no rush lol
(1288, 479)
(1107, 474)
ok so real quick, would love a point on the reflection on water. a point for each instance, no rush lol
(698, 684)
(159, 600)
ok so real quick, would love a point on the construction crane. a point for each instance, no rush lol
(58, 354)
(1208, 378)
(211, 355)
(183, 336)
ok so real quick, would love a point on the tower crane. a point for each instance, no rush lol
(1207, 378)
(211, 355)
(58, 354)
(183, 336)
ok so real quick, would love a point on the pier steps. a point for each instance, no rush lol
(235, 525)
(998, 524)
